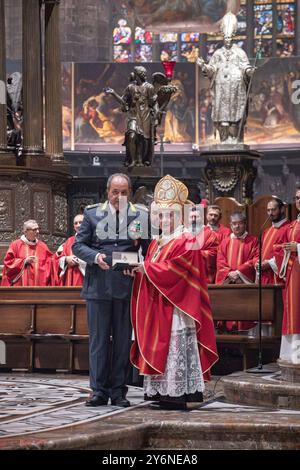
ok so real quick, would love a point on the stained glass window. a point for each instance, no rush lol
(285, 23)
(213, 43)
(189, 47)
(263, 20)
(122, 54)
(168, 37)
(122, 33)
(242, 19)
(143, 53)
(168, 51)
(190, 37)
(142, 36)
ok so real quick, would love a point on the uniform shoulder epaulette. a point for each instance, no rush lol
(91, 206)
(141, 207)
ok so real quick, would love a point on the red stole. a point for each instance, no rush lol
(40, 273)
(269, 240)
(291, 294)
(72, 275)
(174, 278)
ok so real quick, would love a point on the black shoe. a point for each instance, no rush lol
(120, 402)
(171, 405)
(96, 401)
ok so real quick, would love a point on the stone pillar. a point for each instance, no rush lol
(53, 101)
(3, 119)
(32, 78)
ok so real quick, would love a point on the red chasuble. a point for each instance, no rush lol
(291, 294)
(174, 278)
(269, 241)
(16, 273)
(209, 242)
(72, 275)
(237, 254)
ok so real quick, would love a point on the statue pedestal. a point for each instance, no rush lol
(7, 158)
(141, 171)
(230, 172)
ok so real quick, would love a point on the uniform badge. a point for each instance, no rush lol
(134, 229)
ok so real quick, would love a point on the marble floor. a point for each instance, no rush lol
(39, 411)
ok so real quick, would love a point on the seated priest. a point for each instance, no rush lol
(28, 261)
(70, 269)
(213, 217)
(174, 347)
(276, 214)
(288, 260)
(207, 241)
(237, 256)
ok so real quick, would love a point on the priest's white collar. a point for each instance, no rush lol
(280, 223)
(28, 242)
(242, 237)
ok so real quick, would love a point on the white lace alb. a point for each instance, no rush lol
(183, 374)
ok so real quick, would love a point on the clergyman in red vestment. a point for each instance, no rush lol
(276, 213)
(236, 260)
(288, 261)
(207, 240)
(71, 270)
(174, 347)
(213, 217)
(28, 261)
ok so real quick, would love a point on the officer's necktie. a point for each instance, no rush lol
(117, 223)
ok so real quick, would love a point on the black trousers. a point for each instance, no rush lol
(109, 360)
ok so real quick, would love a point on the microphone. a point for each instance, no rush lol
(259, 369)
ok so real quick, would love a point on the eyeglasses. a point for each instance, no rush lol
(33, 229)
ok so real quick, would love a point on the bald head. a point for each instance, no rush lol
(77, 222)
(118, 186)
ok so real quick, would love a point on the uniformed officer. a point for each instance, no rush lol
(115, 225)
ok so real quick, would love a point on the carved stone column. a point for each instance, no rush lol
(32, 78)
(53, 102)
(3, 135)
(230, 173)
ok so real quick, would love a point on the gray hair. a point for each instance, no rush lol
(118, 175)
(238, 215)
(28, 223)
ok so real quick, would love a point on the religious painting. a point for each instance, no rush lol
(67, 104)
(274, 107)
(178, 15)
(99, 119)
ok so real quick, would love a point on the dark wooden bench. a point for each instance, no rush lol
(241, 303)
(46, 328)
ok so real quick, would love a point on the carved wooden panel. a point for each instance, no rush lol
(41, 209)
(60, 210)
(7, 205)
